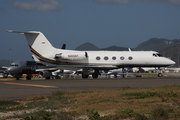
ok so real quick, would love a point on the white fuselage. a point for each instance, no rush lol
(115, 58)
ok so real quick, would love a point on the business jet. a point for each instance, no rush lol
(42, 50)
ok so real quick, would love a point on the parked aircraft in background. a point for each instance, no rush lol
(147, 69)
(17, 69)
(132, 71)
(65, 73)
(176, 70)
(2, 69)
(42, 50)
(115, 72)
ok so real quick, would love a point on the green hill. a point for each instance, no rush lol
(173, 52)
(115, 48)
(90, 46)
(87, 46)
(157, 44)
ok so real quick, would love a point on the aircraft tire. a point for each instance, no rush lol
(28, 77)
(57, 77)
(115, 76)
(95, 75)
(47, 78)
(160, 75)
(84, 76)
(123, 76)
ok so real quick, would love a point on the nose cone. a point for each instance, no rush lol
(171, 62)
(13, 70)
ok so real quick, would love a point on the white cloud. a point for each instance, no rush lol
(40, 5)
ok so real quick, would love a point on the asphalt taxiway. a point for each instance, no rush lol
(22, 89)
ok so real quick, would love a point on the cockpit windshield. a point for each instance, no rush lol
(157, 55)
(14, 64)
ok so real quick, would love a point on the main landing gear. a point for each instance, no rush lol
(85, 74)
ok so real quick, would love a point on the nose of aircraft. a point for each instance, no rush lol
(171, 62)
(12, 70)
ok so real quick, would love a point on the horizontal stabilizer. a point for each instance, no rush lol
(29, 32)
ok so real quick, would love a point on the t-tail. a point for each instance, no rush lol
(39, 45)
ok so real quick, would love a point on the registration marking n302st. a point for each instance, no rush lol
(32, 85)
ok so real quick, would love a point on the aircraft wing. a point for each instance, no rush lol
(48, 69)
(3, 68)
(77, 67)
(95, 67)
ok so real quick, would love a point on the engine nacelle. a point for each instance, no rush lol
(45, 73)
(72, 56)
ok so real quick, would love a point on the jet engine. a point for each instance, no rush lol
(45, 74)
(72, 56)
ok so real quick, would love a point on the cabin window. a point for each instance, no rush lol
(114, 58)
(106, 58)
(130, 58)
(122, 58)
(98, 58)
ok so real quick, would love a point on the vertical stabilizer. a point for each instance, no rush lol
(37, 42)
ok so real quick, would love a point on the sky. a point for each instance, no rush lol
(104, 23)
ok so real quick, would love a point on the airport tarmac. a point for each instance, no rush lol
(21, 89)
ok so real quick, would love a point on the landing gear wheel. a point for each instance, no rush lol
(115, 76)
(160, 75)
(95, 75)
(84, 76)
(47, 78)
(28, 77)
(57, 77)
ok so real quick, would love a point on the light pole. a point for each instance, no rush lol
(10, 55)
(178, 61)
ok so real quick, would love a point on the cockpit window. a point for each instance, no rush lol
(14, 64)
(157, 55)
(154, 55)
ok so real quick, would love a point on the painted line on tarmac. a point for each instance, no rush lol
(33, 85)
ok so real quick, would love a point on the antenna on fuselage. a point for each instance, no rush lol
(63, 46)
(129, 49)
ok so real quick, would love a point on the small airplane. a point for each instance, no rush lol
(65, 73)
(42, 50)
(115, 72)
(132, 71)
(2, 69)
(17, 69)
